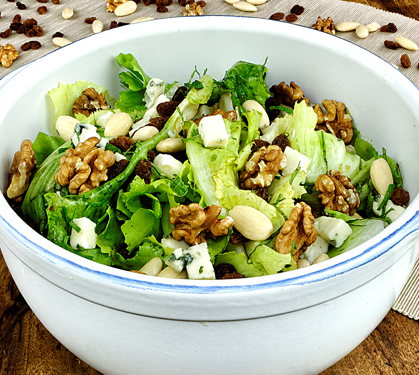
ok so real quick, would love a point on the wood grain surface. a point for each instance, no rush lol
(26, 347)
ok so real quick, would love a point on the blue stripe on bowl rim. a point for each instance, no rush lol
(373, 252)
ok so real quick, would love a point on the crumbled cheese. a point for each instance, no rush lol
(86, 237)
(213, 131)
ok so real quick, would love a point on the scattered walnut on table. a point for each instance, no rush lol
(337, 192)
(89, 102)
(8, 54)
(111, 5)
(84, 167)
(297, 233)
(336, 121)
(23, 164)
(261, 168)
(193, 10)
(325, 24)
(193, 223)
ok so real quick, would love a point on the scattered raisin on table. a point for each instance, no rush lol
(277, 16)
(389, 28)
(291, 17)
(405, 61)
(391, 45)
(42, 10)
(297, 9)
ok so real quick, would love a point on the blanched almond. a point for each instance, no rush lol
(251, 223)
(362, 31)
(126, 8)
(346, 26)
(373, 26)
(244, 6)
(381, 175)
(145, 133)
(406, 43)
(256, 2)
(118, 124)
(171, 145)
(250, 104)
(152, 267)
(170, 273)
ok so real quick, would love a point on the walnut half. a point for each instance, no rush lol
(84, 167)
(23, 164)
(193, 223)
(8, 54)
(336, 121)
(337, 192)
(298, 232)
(260, 170)
(89, 102)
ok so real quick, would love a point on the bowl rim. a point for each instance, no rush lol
(372, 249)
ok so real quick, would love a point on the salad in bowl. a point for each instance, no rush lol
(205, 179)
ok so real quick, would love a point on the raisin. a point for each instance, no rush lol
(41, 1)
(399, 196)
(6, 34)
(166, 109)
(277, 16)
(122, 142)
(405, 61)
(151, 155)
(117, 168)
(34, 44)
(158, 122)
(391, 45)
(258, 144)
(291, 18)
(143, 170)
(90, 20)
(389, 28)
(262, 193)
(281, 141)
(17, 18)
(15, 26)
(42, 10)
(58, 35)
(297, 9)
(113, 25)
(180, 94)
(56, 2)
(20, 6)
(25, 46)
(201, 3)
(236, 238)
(226, 271)
(162, 9)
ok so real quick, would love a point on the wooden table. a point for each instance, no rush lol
(26, 347)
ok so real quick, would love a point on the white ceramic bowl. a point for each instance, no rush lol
(299, 322)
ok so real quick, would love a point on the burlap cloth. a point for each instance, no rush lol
(76, 28)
